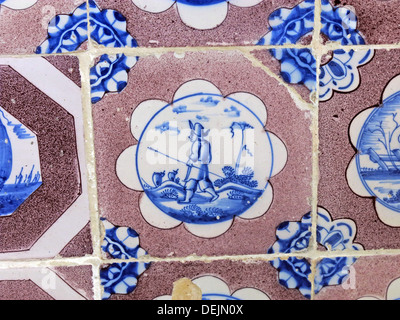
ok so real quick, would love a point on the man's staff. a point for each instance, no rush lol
(165, 155)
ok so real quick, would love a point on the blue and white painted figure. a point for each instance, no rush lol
(198, 14)
(298, 66)
(121, 243)
(375, 170)
(17, 4)
(295, 237)
(214, 288)
(67, 33)
(201, 167)
(197, 175)
(20, 172)
(392, 292)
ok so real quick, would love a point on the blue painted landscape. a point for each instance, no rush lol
(236, 193)
(203, 167)
(15, 144)
(379, 143)
(13, 195)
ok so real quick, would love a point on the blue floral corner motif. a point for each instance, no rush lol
(108, 28)
(298, 66)
(121, 243)
(110, 74)
(295, 273)
(67, 33)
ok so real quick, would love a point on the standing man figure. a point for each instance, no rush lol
(197, 175)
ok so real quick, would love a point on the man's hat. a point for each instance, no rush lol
(198, 129)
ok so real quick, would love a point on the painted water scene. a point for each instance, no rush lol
(204, 159)
(20, 166)
(379, 161)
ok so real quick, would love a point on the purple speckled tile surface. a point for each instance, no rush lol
(158, 280)
(25, 28)
(377, 20)
(228, 72)
(199, 149)
(59, 283)
(370, 278)
(242, 25)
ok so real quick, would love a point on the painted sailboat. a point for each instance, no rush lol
(20, 172)
(5, 155)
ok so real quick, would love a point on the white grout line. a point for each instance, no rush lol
(316, 51)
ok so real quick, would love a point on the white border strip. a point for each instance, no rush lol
(66, 93)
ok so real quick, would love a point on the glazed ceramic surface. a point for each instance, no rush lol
(249, 149)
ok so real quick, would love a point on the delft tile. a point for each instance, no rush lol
(296, 67)
(369, 278)
(339, 70)
(180, 230)
(55, 283)
(217, 280)
(347, 187)
(291, 25)
(43, 26)
(351, 22)
(184, 23)
(295, 237)
(44, 207)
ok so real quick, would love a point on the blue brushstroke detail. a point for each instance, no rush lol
(200, 2)
(232, 112)
(109, 28)
(165, 126)
(67, 33)
(111, 73)
(6, 156)
(18, 129)
(377, 139)
(218, 296)
(12, 195)
(236, 193)
(209, 101)
(295, 236)
(298, 66)
(120, 278)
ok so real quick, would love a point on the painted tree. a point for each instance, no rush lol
(242, 126)
(387, 130)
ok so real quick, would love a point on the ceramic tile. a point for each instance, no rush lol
(369, 278)
(55, 283)
(211, 101)
(302, 77)
(353, 22)
(197, 23)
(227, 280)
(296, 236)
(351, 147)
(36, 21)
(192, 149)
(44, 202)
